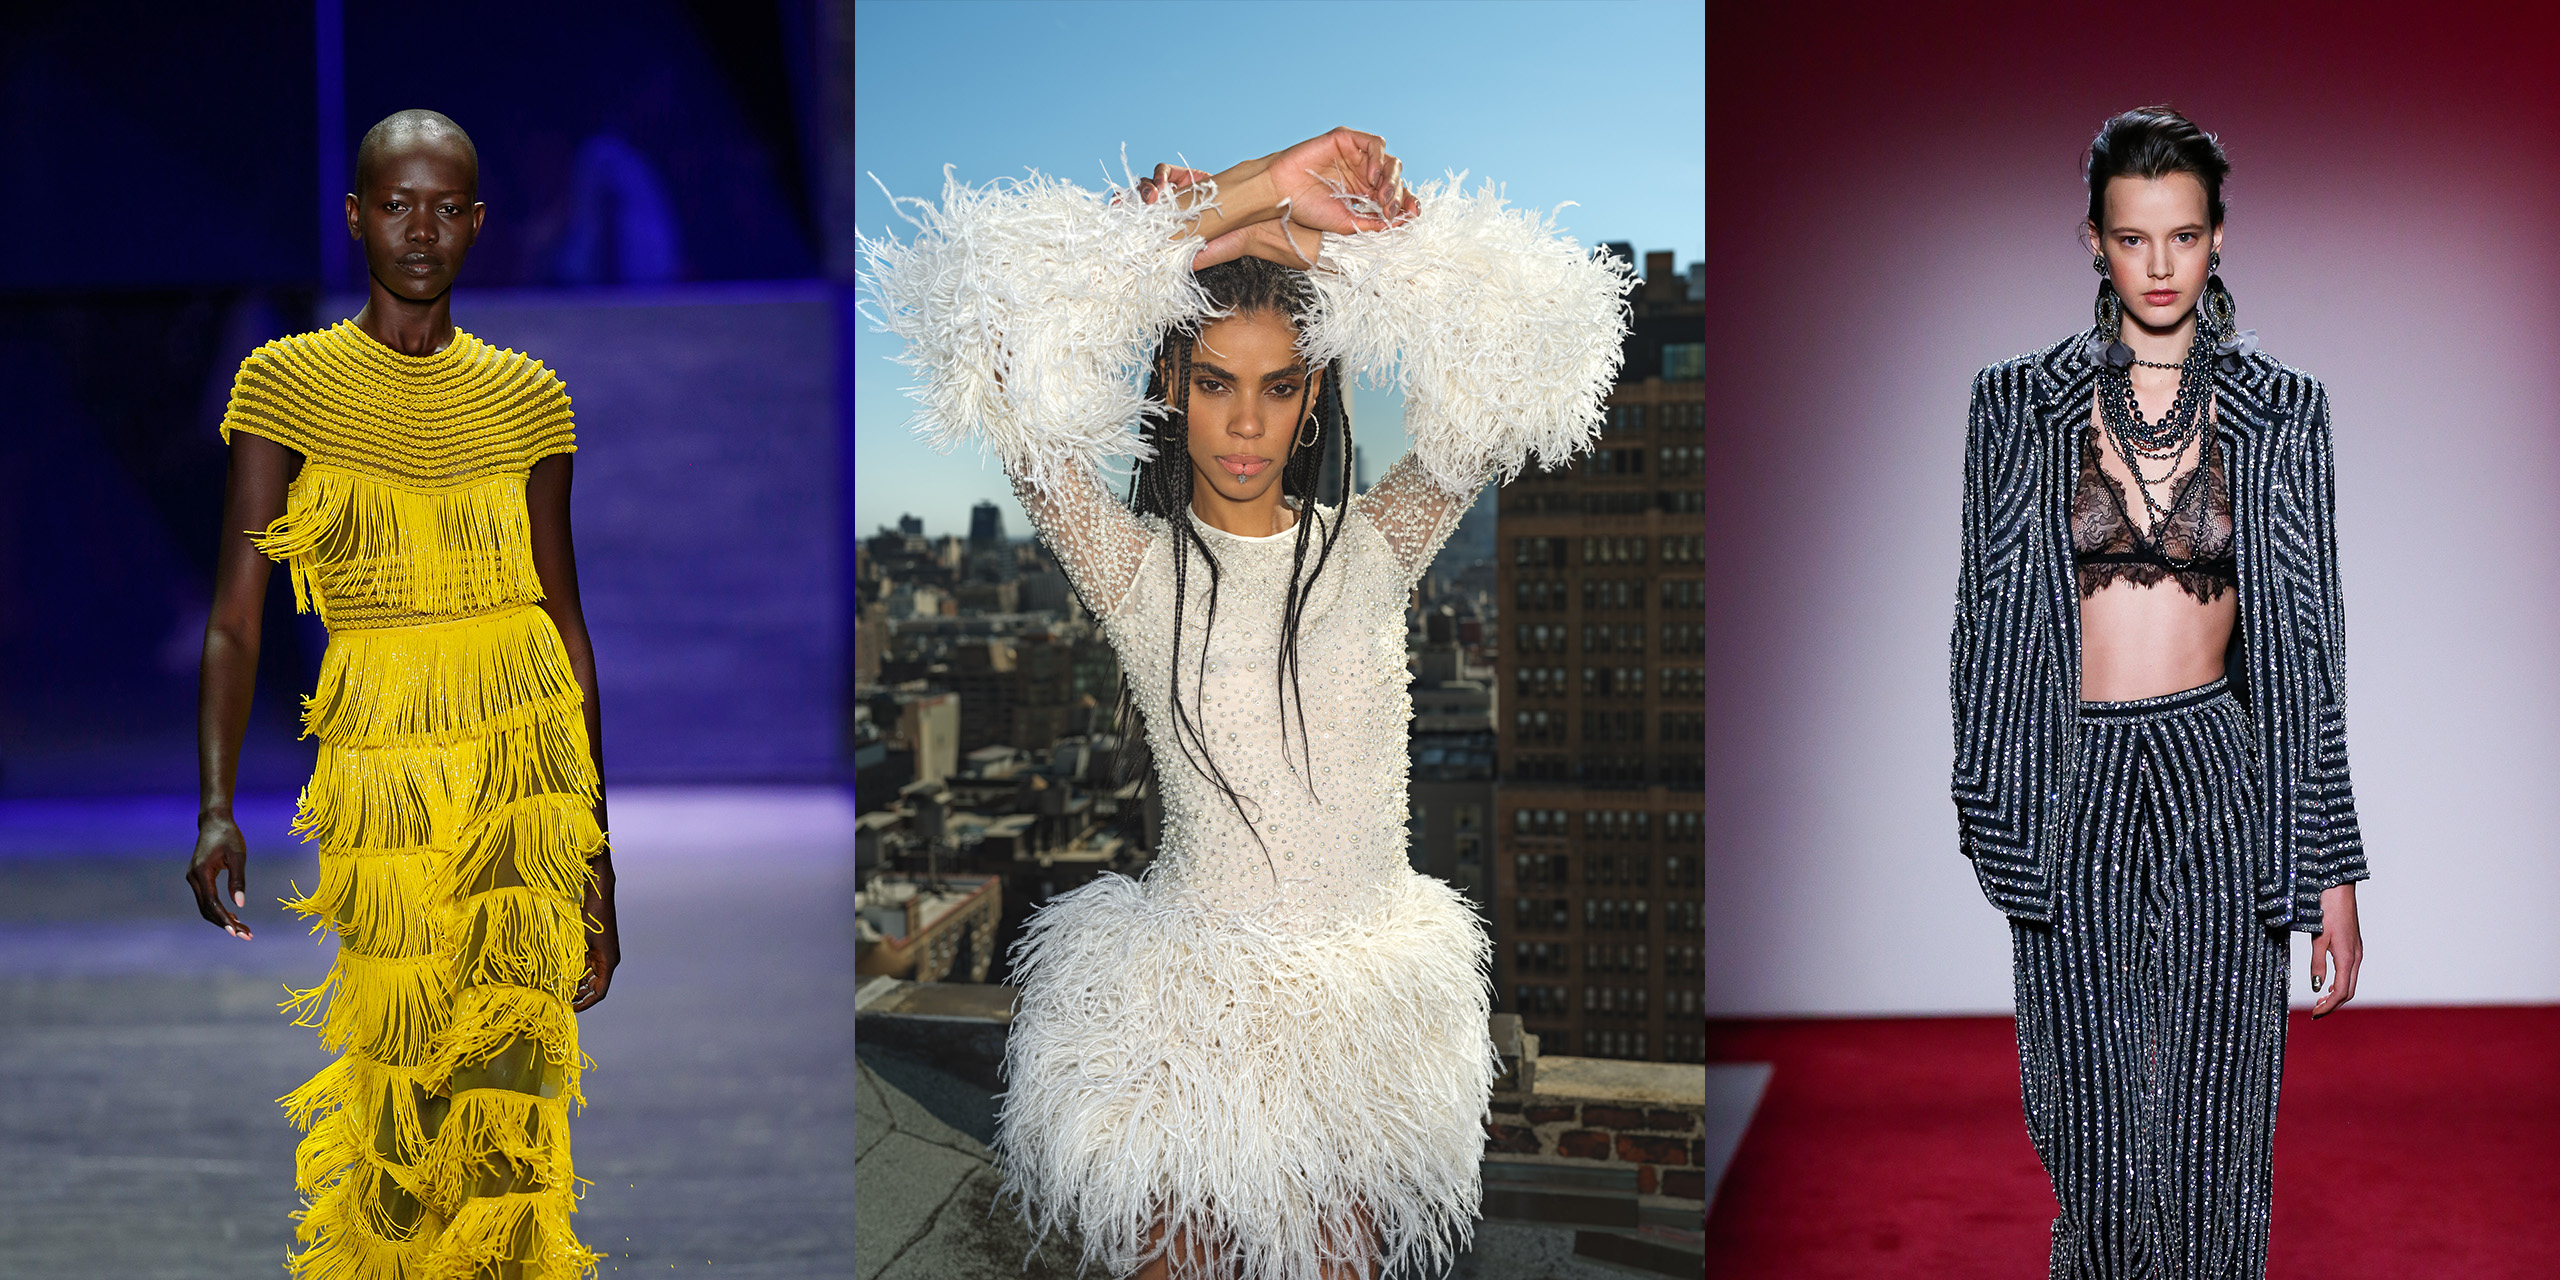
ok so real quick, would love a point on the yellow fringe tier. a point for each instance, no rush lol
(453, 874)
(358, 546)
(532, 1227)
(440, 683)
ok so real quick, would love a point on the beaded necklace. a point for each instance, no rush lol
(2137, 440)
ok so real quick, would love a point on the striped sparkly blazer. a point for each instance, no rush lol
(2015, 676)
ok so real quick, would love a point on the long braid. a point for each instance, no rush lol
(1306, 473)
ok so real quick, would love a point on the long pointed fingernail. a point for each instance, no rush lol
(239, 899)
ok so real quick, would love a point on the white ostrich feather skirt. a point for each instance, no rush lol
(1171, 1061)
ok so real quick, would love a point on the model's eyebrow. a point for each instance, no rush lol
(1293, 371)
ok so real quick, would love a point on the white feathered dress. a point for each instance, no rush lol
(1254, 1038)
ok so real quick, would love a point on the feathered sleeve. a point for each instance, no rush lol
(1503, 335)
(1029, 308)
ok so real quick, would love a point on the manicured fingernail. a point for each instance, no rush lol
(239, 899)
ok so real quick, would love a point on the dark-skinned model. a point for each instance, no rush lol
(415, 483)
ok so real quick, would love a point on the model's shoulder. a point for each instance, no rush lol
(2271, 386)
(295, 351)
(508, 366)
(2051, 364)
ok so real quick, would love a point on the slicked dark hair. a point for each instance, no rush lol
(1162, 487)
(414, 123)
(2154, 142)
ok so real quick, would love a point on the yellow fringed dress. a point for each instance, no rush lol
(452, 802)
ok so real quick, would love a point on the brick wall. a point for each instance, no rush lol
(1664, 1142)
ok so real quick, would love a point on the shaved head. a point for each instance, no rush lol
(415, 127)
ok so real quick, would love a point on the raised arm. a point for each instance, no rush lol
(1503, 335)
(1093, 536)
(253, 497)
(1029, 307)
(1413, 513)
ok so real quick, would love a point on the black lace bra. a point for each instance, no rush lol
(2193, 542)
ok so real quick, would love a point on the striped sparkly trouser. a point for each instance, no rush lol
(2151, 1010)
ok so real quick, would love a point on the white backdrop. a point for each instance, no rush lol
(2420, 291)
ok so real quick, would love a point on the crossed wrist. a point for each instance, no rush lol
(1244, 198)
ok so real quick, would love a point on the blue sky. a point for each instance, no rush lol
(1599, 102)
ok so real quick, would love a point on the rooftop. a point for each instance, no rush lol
(1577, 1167)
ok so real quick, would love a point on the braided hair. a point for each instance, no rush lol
(1163, 487)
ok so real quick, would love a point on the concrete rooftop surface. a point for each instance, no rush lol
(924, 1185)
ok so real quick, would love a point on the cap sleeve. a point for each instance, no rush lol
(271, 397)
(550, 427)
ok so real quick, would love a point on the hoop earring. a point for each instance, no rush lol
(1307, 443)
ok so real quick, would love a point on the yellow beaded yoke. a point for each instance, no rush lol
(452, 801)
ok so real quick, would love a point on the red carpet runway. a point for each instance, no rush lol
(2411, 1143)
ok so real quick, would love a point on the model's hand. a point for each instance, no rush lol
(220, 848)
(2337, 951)
(604, 940)
(1342, 181)
(1272, 240)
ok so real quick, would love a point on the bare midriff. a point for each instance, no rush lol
(2141, 642)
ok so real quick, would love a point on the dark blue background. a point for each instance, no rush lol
(162, 213)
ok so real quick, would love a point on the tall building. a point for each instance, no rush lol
(1601, 585)
(986, 525)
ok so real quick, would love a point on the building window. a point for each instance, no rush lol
(1542, 553)
(1684, 361)
(1626, 417)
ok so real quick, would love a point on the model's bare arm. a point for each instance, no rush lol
(1307, 182)
(555, 560)
(253, 496)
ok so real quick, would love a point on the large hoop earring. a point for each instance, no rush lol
(1306, 442)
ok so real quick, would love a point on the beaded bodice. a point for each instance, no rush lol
(1329, 806)
(409, 506)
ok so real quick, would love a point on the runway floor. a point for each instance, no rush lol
(141, 1050)
(2410, 1142)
